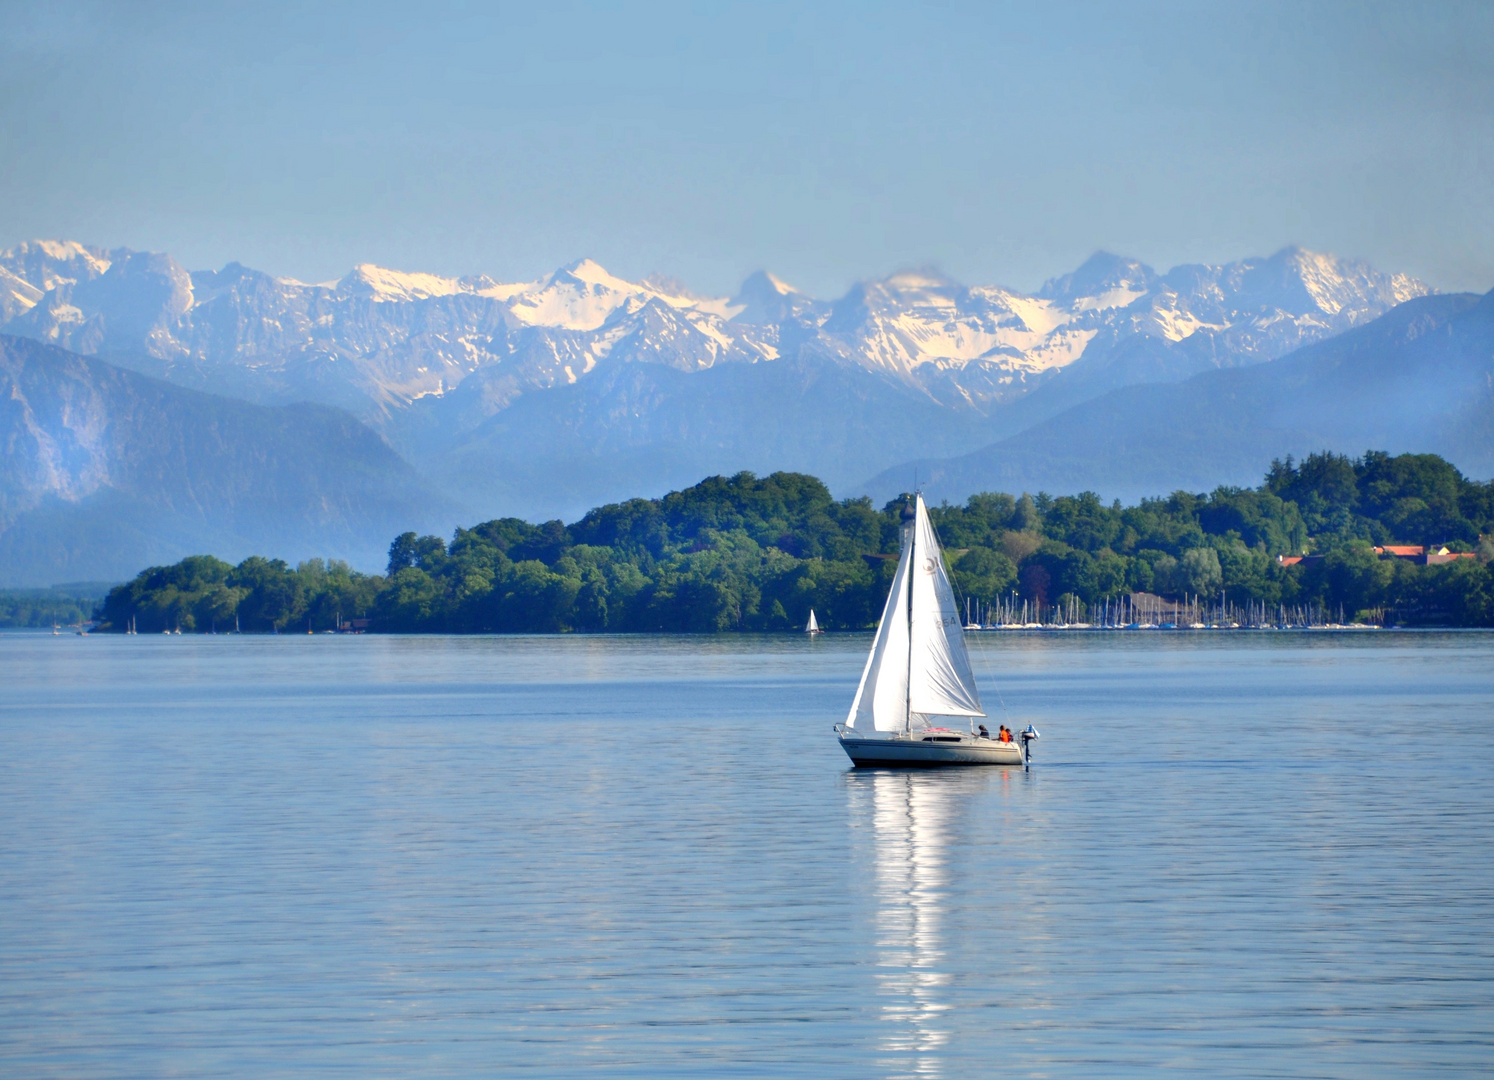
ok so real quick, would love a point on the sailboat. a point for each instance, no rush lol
(812, 627)
(918, 671)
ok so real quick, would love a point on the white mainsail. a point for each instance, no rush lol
(940, 682)
(918, 666)
(812, 627)
(882, 698)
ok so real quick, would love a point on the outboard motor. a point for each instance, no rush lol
(1027, 737)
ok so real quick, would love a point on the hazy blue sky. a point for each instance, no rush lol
(824, 142)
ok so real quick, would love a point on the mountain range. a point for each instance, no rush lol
(544, 398)
(391, 346)
(1418, 379)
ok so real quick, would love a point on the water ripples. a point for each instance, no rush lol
(1236, 855)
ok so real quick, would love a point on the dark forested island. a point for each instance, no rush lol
(751, 553)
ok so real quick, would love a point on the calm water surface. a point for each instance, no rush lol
(1235, 855)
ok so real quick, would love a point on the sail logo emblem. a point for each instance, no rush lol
(928, 565)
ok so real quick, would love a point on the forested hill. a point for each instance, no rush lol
(750, 553)
(105, 470)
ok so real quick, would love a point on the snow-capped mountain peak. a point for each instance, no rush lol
(580, 296)
(47, 264)
(764, 299)
(1297, 279)
(594, 274)
(383, 285)
(1102, 281)
(777, 284)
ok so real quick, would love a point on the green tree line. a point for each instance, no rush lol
(756, 553)
(61, 605)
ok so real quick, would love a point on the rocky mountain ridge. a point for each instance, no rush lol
(438, 364)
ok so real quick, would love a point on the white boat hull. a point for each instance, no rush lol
(916, 753)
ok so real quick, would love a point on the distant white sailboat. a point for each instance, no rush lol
(812, 627)
(919, 671)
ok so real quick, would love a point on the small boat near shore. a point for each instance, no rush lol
(918, 673)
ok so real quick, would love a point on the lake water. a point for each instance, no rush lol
(1247, 854)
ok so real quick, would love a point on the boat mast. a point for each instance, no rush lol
(912, 569)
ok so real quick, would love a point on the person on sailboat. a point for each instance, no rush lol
(984, 734)
(1005, 735)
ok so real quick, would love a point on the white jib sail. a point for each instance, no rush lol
(940, 682)
(881, 701)
(811, 627)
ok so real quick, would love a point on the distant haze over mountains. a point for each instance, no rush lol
(106, 471)
(543, 398)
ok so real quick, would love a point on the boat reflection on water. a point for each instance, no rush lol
(960, 961)
(913, 817)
